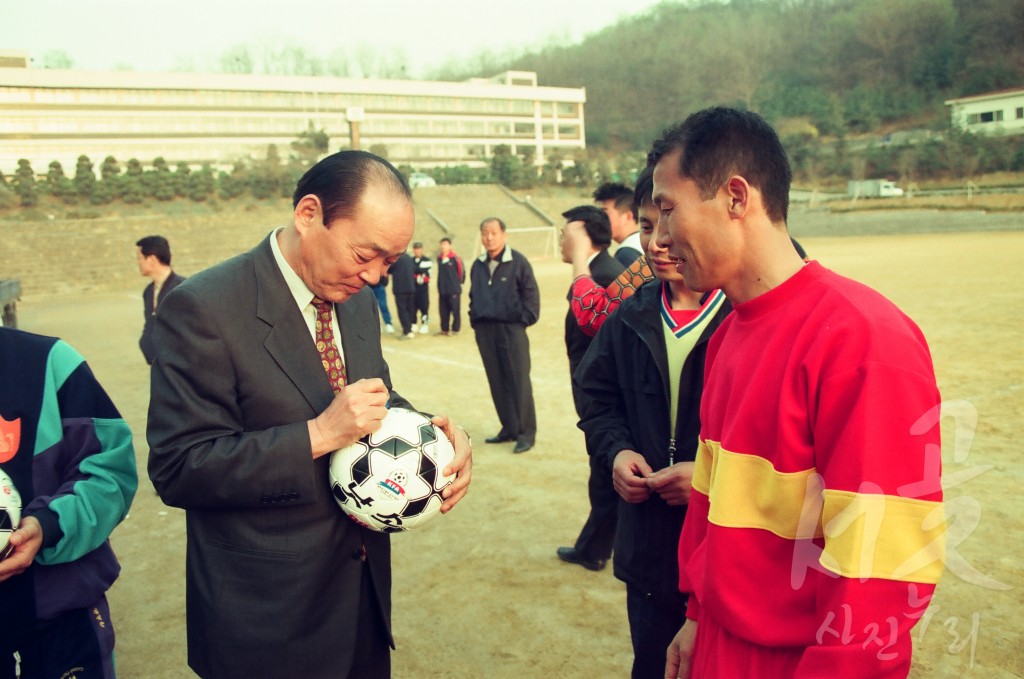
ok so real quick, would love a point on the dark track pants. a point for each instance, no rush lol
(654, 620)
(406, 311)
(505, 351)
(448, 306)
(76, 643)
(597, 537)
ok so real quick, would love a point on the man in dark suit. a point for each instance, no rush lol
(248, 398)
(154, 257)
(594, 545)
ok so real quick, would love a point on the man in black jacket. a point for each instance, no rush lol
(503, 302)
(421, 297)
(594, 544)
(154, 257)
(642, 380)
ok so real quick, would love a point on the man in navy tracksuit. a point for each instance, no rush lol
(641, 382)
(503, 302)
(421, 298)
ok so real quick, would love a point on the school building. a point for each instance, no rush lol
(48, 115)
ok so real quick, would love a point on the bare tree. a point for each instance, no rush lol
(237, 59)
(56, 59)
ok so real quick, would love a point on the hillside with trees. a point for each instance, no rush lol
(856, 89)
(842, 67)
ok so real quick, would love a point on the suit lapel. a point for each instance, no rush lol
(288, 341)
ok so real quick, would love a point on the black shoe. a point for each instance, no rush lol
(500, 438)
(570, 555)
(522, 446)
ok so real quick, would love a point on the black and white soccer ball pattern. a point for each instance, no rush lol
(391, 481)
(10, 512)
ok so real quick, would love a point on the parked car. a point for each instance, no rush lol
(873, 188)
(420, 179)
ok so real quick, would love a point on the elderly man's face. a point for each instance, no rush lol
(492, 238)
(337, 260)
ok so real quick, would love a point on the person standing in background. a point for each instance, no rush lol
(421, 298)
(450, 276)
(593, 547)
(641, 382)
(617, 201)
(503, 302)
(154, 258)
(380, 292)
(403, 287)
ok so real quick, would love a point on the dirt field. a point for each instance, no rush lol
(480, 592)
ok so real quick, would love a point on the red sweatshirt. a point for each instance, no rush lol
(816, 518)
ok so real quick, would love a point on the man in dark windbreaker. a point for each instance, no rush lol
(503, 302)
(641, 382)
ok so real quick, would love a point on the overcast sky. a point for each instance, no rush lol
(150, 35)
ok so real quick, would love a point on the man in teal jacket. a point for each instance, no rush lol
(68, 453)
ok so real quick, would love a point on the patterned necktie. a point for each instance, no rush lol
(325, 344)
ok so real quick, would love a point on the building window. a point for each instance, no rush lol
(986, 117)
(569, 131)
(567, 110)
(1020, 112)
(523, 129)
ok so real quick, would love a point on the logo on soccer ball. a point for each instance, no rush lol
(395, 482)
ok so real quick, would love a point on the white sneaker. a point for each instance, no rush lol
(407, 336)
(424, 329)
(414, 327)
(389, 329)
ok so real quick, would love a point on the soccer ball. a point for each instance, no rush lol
(10, 512)
(391, 480)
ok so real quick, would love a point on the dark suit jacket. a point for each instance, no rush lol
(149, 313)
(603, 269)
(272, 568)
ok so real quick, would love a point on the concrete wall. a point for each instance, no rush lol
(62, 255)
(52, 257)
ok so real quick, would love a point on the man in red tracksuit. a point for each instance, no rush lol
(815, 533)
